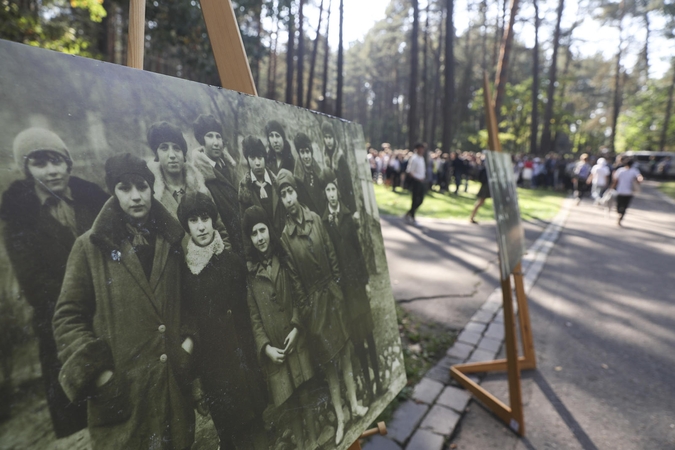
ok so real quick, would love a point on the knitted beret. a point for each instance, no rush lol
(252, 147)
(206, 123)
(125, 164)
(253, 216)
(273, 125)
(285, 177)
(162, 132)
(327, 128)
(37, 139)
(301, 140)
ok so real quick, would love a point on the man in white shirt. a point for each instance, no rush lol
(600, 176)
(624, 178)
(416, 170)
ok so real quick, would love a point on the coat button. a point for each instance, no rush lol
(161, 328)
(229, 312)
(163, 358)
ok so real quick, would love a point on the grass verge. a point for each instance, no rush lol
(535, 204)
(424, 344)
(667, 187)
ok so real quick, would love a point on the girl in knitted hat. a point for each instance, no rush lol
(311, 257)
(279, 155)
(215, 297)
(280, 335)
(123, 341)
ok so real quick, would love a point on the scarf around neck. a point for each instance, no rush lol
(198, 257)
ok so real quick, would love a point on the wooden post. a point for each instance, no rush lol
(512, 415)
(381, 430)
(136, 40)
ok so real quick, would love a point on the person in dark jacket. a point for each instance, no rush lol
(44, 214)
(215, 296)
(308, 174)
(257, 186)
(217, 166)
(121, 335)
(336, 161)
(343, 231)
(458, 169)
(315, 272)
(279, 333)
(483, 192)
(279, 155)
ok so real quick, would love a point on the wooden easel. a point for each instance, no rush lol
(512, 415)
(232, 65)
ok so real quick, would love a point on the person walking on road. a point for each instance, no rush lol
(626, 181)
(416, 171)
(483, 192)
(599, 176)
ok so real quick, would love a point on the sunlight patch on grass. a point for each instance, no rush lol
(534, 204)
(667, 187)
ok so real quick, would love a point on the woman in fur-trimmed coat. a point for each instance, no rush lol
(118, 322)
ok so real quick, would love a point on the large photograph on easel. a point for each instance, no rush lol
(504, 195)
(184, 266)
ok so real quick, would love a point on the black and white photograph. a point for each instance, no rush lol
(184, 267)
(510, 232)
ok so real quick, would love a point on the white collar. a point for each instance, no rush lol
(198, 257)
(267, 178)
(334, 211)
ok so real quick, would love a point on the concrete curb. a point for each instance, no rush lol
(427, 420)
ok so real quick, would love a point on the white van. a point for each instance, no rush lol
(662, 164)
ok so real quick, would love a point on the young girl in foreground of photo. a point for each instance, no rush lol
(215, 297)
(279, 334)
(315, 270)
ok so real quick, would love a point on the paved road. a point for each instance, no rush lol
(603, 318)
(443, 270)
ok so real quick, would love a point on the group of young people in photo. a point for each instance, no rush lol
(188, 288)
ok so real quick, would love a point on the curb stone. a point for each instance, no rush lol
(427, 425)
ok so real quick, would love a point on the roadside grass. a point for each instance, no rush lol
(537, 204)
(667, 187)
(424, 344)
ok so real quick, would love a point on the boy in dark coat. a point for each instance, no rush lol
(279, 155)
(215, 295)
(257, 186)
(308, 174)
(118, 324)
(343, 232)
(44, 214)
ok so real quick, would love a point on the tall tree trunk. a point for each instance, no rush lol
(437, 84)
(290, 50)
(312, 63)
(425, 75)
(301, 53)
(503, 65)
(550, 94)
(669, 107)
(449, 91)
(272, 65)
(413, 122)
(616, 101)
(324, 88)
(534, 121)
(340, 63)
(255, 67)
(484, 26)
(645, 49)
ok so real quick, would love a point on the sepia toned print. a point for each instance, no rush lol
(184, 267)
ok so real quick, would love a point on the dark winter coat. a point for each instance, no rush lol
(225, 196)
(310, 189)
(343, 233)
(248, 197)
(110, 316)
(38, 247)
(337, 162)
(226, 355)
(274, 314)
(314, 270)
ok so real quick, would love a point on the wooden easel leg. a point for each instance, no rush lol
(136, 41)
(529, 361)
(512, 364)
